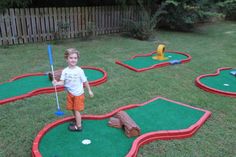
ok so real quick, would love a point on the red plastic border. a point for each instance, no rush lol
(213, 90)
(155, 65)
(141, 140)
(50, 89)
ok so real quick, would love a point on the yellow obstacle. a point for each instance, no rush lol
(160, 53)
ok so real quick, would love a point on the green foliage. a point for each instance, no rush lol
(14, 4)
(62, 30)
(228, 7)
(143, 27)
(90, 32)
(183, 15)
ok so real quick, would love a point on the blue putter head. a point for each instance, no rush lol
(233, 72)
(59, 113)
(172, 62)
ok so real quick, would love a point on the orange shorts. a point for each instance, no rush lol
(75, 102)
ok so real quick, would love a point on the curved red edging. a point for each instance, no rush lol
(141, 140)
(213, 90)
(50, 89)
(156, 65)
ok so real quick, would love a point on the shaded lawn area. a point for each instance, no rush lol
(211, 46)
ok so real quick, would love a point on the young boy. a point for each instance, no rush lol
(73, 78)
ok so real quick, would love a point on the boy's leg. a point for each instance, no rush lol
(77, 118)
(78, 106)
(77, 125)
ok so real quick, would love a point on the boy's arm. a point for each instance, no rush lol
(58, 83)
(89, 89)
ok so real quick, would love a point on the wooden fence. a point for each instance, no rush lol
(29, 25)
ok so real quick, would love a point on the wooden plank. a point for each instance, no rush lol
(63, 22)
(19, 26)
(51, 23)
(130, 15)
(67, 24)
(83, 21)
(13, 26)
(55, 20)
(93, 20)
(120, 15)
(8, 26)
(42, 24)
(33, 23)
(71, 21)
(59, 22)
(79, 22)
(24, 25)
(87, 22)
(3, 30)
(28, 25)
(102, 19)
(106, 20)
(109, 19)
(117, 18)
(47, 23)
(75, 19)
(113, 19)
(38, 24)
(97, 20)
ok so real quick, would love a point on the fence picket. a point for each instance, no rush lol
(33, 24)
(4, 39)
(26, 25)
(13, 25)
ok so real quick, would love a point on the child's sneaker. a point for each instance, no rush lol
(75, 128)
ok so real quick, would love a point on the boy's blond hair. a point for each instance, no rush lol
(71, 51)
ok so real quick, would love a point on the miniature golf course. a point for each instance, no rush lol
(38, 83)
(158, 119)
(143, 62)
(221, 82)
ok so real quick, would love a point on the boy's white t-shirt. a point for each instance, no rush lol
(73, 80)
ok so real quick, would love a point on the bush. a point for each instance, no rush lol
(228, 7)
(143, 27)
(14, 3)
(183, 15)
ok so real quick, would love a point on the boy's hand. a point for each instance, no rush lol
(91, 94)
(54, 82)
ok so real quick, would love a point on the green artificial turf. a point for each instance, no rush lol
(147, 61)
(211, 46)
(224, 81)
(157, 115)
(30, 83)
(23, 86)
(93, 75)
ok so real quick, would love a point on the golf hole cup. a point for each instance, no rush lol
(86, 142)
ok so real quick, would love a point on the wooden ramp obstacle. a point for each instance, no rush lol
(123, 120)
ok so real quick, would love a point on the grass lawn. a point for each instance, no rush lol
(211, 46)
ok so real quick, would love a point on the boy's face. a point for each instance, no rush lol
(72, 60)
